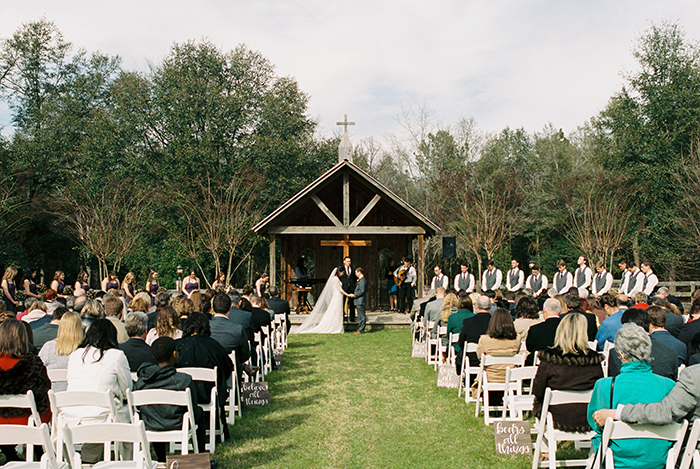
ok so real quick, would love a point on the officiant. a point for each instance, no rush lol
(348, 281)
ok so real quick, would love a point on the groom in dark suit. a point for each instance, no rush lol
(348, 283)
(360, 299)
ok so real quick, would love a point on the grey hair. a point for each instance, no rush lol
(553, 305)
(136, 323)
(29, 302)
(633, 342)
(484, 302)
(663, 291)
(70, 302)
(79, 304)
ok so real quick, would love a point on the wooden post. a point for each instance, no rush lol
(346, 198)
(421, 266)
(273, 261)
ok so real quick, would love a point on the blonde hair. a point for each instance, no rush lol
(143, 296)
(70, 333)
(39, 305)
(10, 273)
(474, 296)
(138, 304)
(451, 301)
(128, 279)
(183, 306)
(92, 308)
(572, 335)
(57, 275)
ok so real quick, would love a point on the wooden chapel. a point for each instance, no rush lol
(345, 212)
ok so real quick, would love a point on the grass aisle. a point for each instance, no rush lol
(350, 401)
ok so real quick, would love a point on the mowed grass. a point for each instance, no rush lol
(360, 401)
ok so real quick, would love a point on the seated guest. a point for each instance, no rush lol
(49, 331)
(574, 303)
(98, 365)
(473, 328)
(38, 316)
(183, 306)
(449, 307)
(91, 312)
(20, 371)
(674, 322)
(636, 383)
(136, 349)
(278, 305)
(613, 322)
(541, 336)
(141, 302)
(114, 308)
(454, 322)
(198, 349)
(164, 376)
(568, 366)
(500, 340)
(55, 353)
(168, 325)
(52, 300)
(527, 314)
(162, 300)
(230, 335)
(691, 328)
(657, 329)
(664, 359)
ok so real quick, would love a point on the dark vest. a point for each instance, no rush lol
(490, 278)
(514, 277)
(560, 280)
(580, 276)
(536, 284)
(463, 283)
(600, 280)
(633, 282)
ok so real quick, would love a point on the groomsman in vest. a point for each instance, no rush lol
(464, 280)
(625, 278)
(583, 277)
(537, 282)
(650, 280)
(563, 280)
(636, 280)
(602, 281)
(440, 279)
(515, 278)
(492, 277)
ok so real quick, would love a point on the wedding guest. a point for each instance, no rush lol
(167, 325)
(55, 353)
(391, 288)
(500, 340)
(527, 314)
(136, 349)
(454, 322)
(91, 312)
(9, 289)
(49, 331)
(113, 309)
(37, 317)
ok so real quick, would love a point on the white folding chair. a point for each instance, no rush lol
(467, 371)
(107, 433)
(483, 386)
(451, 354)
(208, 375)
(186, 433)
(58, 375)
(234, 393)
(607, 349)
(23, 401)
(616, 430)
(30, 436)
(442, 331)
(515, 399)
(267, 348)
(60, 401)
(431, 345)
(593, 344)
(548, 436)
(691, 455)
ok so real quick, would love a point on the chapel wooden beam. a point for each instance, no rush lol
(421, 266)
(273, 261)
(346, 198)
(325, 210)
(350, 230)
(366, 210)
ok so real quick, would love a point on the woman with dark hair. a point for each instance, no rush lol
(571, 366)
(196, 348)
(152, 285)
(20, 371)
(58, 285)
(454, 322)
(190, 283)
(98, 365)
(527, 314)
(110, 282)
(9, 289)
(30, 288)
(82, 282)
(500, 340)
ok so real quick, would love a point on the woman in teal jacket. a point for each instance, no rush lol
(635, 384)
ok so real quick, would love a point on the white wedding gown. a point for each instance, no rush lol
(327, 315)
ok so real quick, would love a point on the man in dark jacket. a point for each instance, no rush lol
(473, 328)
(163, 417)
(136, 349)
(278, 305)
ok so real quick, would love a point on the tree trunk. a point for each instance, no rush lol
(635, 248)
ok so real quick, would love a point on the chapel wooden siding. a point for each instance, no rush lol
(344, 202)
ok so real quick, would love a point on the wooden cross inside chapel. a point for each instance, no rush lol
(346, 242)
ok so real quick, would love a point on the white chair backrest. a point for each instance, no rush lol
(58, 375)
(691, 455)
(516, 360)
(556, 397)
(29, 435)
(608, 346)
(200, 374)
(617, 430)
(442, 330)
(134, 433)
(454, 338)
(593, 345)
(23, 401)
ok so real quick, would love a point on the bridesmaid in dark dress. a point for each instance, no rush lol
(128, 287)
(82, 281)
(30, 289)
(58, 285)
(152, 285)
(190, 283)
(110, 282)
(8, 290)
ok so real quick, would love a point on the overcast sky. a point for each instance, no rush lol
(515, 63)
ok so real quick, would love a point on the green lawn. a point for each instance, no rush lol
(351, 401)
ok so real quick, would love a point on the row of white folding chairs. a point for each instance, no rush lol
(280, 332)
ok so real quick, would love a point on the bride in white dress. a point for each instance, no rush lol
(327, 315)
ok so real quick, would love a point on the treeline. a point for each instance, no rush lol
(625, 184)
(115, 169)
